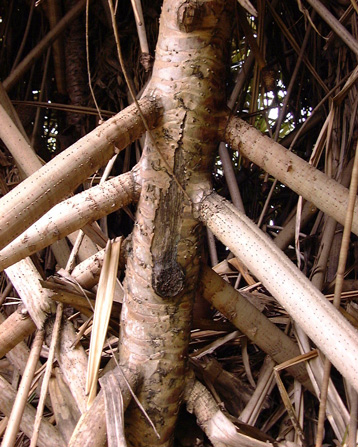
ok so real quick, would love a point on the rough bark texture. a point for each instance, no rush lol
(162, 272)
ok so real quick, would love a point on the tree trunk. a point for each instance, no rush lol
(185, 107)
(162, 273)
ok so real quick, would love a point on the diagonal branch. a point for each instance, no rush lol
(58, 178)
(328, 329)
(71, 215)
(335, 24)
(42, 46)
(48, 436)
(324, 192)
(253, 323)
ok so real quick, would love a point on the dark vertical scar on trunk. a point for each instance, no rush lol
(168, 276)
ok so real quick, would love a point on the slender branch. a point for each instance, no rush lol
(70, 215)
(48, 436)
(44, 386)
(244, 315)
(338, 290)
(22, 393)
(307, 306)
(336, 26)
(324, 192)
(58, 178)
(14, 329)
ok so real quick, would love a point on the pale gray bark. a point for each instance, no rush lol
(329, 330)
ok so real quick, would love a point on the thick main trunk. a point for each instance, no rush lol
(162, 272)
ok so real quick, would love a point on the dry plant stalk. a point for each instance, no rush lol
(22, 392)
(251, 321)
(101, 316)
(48, 435)
(338, 290)
(44, 386)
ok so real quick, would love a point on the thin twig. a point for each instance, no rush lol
(88, 65)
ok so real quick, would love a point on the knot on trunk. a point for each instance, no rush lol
(190, 16)
(168, 279)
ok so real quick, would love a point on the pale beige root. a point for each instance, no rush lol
(49, 185)
(218, 428)
(163, 268)
(328, 329)
(15, 138)
(19, 325)
(87, 272)
(37, 300)
(91, 428)
(287, 234)
(26, 280)
(64, 406)
(70, 215)
(246, 317)
(10, 110)
(72, 361)
(48, 435)
(19, 354)
(23, 391)
(27, 161)
(14, 329)
(316, 187)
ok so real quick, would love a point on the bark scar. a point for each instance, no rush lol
(168, 277)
